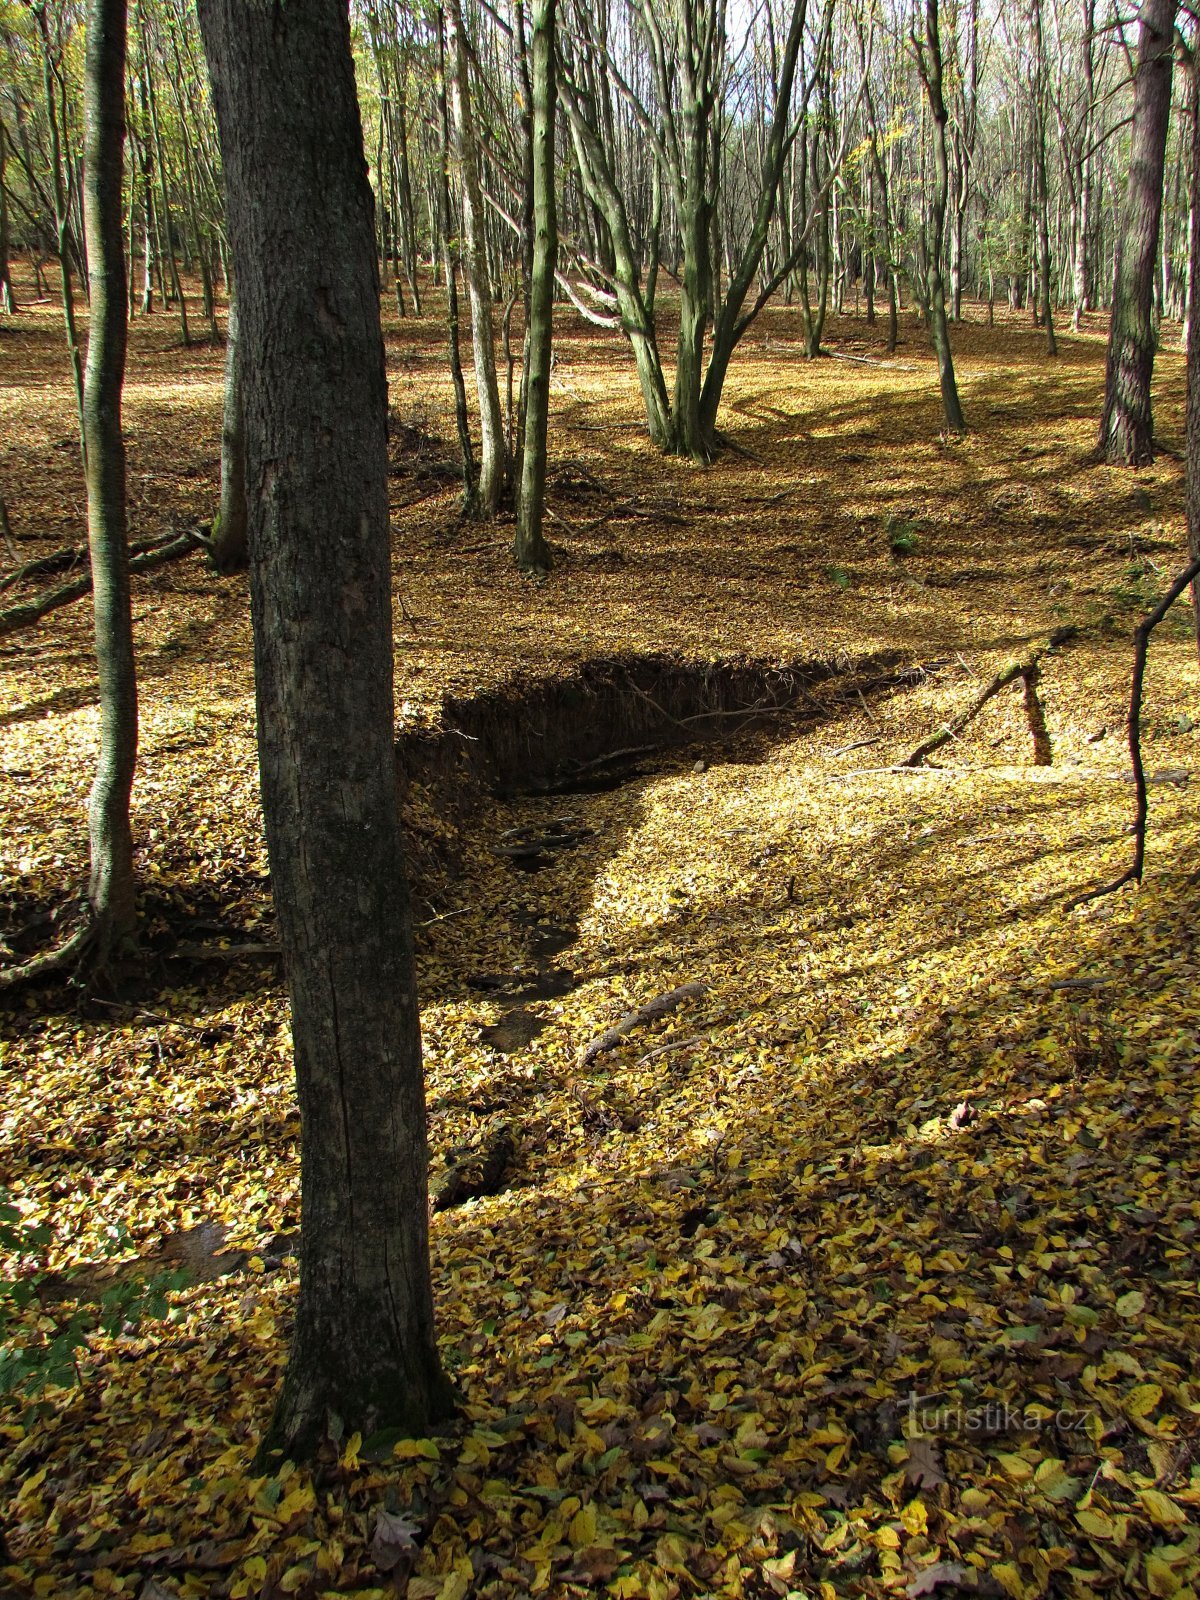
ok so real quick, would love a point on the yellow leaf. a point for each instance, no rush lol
(1131, 1304)
(350, 1453)
(1161, 1508)
(1096, 1524)
(914, 1518)
(1142, 1399)
(1016, 1466)
(1009, 1579)
(410, 1449)
(1160, 1580)
(582, 1531)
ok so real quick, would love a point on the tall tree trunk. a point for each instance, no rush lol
(449, 267)
(168, 224)
(111, 890)
(8, 298)
(493, 465)
(230, 534)
(1046, 310)
(315, 392)
(530, 547)
(1126, 423)
(62, 229)
(1193, 358)
(929, 59)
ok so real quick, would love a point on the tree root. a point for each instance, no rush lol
(69, 954)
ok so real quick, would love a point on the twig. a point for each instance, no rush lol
(858, 744)
(668, 1049)
(444, 916)
(1141, 646)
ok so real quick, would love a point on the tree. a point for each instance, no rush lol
(493, 455)
(530, 547)
(929, 65)
(301, 231)
(111, 891)
(229, 535)
(1126, 422)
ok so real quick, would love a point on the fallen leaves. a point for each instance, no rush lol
(869, 1269)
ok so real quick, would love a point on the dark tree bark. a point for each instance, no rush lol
(1126, 423)
(315, 403)
(111, 890)
(529, 547)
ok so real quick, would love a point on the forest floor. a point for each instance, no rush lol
(882, 1278)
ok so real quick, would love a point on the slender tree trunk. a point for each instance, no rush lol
(493, 465)
(449, 267)
(930, 63)
(1193, 359)
(530, 547)
(168, 225)
(61, 224)
(1126, 422)
(315, 391)
(8, 298)
(230, 550)
(1043, 187)
(111, 889)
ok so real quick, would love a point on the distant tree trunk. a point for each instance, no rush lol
(530, 547)
(111, 890)
(8, 298)
(62, 228)
(230, 530)
(315, 392)
(929, 60)
(1084, 170)
(449, 267)
(1126, 423)
(1046, 311)
(1193, 358)
(493, 464)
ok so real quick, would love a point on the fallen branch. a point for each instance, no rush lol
(1025, 667)
(1141, 646)
(32, 611)
(661, 1006)
(222, 952)
(75, 555)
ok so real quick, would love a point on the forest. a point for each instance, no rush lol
(599, 680)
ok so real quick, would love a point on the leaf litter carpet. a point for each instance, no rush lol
(869, 1269)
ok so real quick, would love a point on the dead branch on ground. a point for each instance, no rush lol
(1026, 667)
